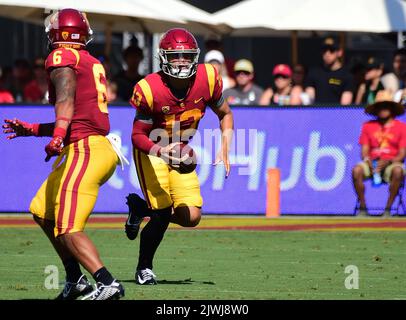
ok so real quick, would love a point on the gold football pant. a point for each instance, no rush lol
(69, 193)
(163, 186)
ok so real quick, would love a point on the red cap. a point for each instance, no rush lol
(282, 69)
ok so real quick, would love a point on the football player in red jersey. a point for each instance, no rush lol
(86, 158)
(169, 105)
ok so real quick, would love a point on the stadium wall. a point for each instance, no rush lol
(314, 147)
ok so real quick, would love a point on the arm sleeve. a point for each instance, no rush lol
(62, 57)
(363, 139)
(140, 138)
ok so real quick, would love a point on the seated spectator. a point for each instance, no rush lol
(216, 58)
(331, 82)
(127, 78)
(283, 92)
(246, 92)
(396, 80)
(37, 89)
(382, 140)
(368, 90)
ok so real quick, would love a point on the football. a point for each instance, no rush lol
(190, 163)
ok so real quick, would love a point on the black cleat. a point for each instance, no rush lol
(137, 208)
(74, 290)
(145, 277)
(113, 291)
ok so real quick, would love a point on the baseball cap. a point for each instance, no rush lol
(214, 55)
(244, 65)
(373, 63)
(282, 69)
(330, 43)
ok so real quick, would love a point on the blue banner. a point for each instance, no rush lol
(315, 149)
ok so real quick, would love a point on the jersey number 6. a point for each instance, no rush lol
(100, 80)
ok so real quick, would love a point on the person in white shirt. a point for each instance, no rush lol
(216, 59)
(396, 80)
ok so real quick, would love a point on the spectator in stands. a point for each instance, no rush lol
(330, 83)
(127, 78)
(282, 92)
(21, 76)
(246, 92)
(37, 89)
(216, 58)
(213, 42)
(382, 140)
(367, 91)
(5, 95)
(396, 80)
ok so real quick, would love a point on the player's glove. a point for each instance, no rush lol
(19, 128)
(54, 147)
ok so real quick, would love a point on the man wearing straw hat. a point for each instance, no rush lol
(383, 141)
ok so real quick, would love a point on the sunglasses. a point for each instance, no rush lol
(246, 73)
(329, 49)
(278, 76)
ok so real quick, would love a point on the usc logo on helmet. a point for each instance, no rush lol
(68, 28)
(65, 35)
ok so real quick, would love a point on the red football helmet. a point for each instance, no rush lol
(68, 28)
(178, 53)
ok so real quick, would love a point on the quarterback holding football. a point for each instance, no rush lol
(169, 105)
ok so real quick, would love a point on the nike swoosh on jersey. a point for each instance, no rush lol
(198, 100)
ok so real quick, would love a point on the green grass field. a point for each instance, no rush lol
(228, 264)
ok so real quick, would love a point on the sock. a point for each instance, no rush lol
(152, 235)
(103, 275)
(72, 268)
(141, 210)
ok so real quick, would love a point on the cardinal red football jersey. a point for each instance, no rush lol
(153, 98)
(91, 114)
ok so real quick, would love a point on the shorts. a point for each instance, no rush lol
(163, 186)
(69, 193)
(387, 171)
